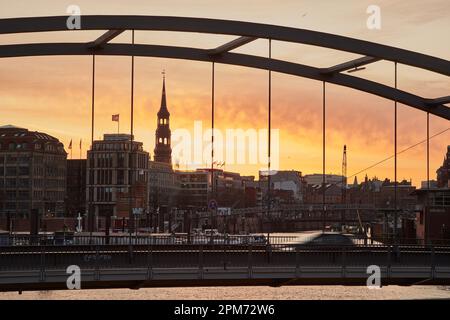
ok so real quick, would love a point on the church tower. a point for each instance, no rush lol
(163, 151)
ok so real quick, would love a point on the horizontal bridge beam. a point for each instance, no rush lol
(349, 65)
(231, 45)
(48, 49)
(438, 101)
(104, 39)
(238, 28)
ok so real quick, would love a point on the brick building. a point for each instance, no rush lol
(433, 214)
(32, 174)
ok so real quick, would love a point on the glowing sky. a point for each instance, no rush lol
(53, 94)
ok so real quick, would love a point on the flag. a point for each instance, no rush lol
(80, 143)
(70, 144)
(115, 117)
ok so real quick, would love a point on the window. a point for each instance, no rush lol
(23, 205)
(11, 171)
(23, 183)
(11, 159)
(11, 195)
(120, 177)
(24, 171)
(24, 195)
(10, 206)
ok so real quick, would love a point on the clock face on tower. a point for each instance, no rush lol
(163, 150)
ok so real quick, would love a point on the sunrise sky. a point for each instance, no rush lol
(53, 94)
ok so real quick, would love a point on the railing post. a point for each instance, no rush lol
(149, 261)
(42, 271)
(97, 267)
(389, 262)
(432, 262)
(250, 262)
(297, 262)
(130, 253)
(224, 257)
(269, 253)
(200, 262)
(344, 261)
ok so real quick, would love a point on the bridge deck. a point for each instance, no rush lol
(135, 278)
(114, 266)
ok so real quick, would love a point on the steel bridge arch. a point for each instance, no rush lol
(248, 32)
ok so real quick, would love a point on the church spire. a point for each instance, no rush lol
(163, 111)
(163, 150)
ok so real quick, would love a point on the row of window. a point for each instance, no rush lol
(15, 183)
(37, 171)
(193, 178)
(105, 176)
(17, 195)
(15, 159)
(37, 195)
(117, 146)
(19, 146)
(37, 159)
(14, 171)
(16, 206)
(164, 141)
(104, 194)
(197, 192)
(194, 185)
(118, 160)
(37, 183)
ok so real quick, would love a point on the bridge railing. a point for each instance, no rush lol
(141, 239)
(96, 257)
(186, 239)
